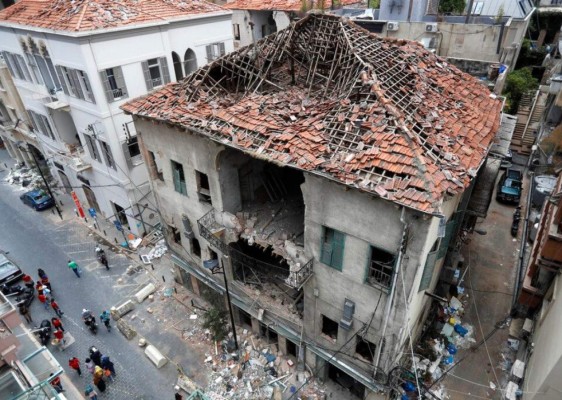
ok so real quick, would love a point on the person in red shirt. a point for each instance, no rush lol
(28, 282)
(57, 324)
(43, 299)
(56, 384)
(55, 307)
(74, 363)
(59, 335)
(39, 287)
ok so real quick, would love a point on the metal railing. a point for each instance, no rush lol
(207, 223)
(298, 278)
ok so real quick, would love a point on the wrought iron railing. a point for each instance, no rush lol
(207, 224)
(298, 278)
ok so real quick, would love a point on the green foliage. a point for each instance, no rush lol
(528, 56)
(518, 83)
(452, 6)
(215, 321)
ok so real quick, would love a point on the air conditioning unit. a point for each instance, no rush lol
(392, 26)
(431, 28)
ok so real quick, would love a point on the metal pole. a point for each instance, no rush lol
(469, 11)
(45, 181)
(229, 305)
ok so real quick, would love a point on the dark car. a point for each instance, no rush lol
(37, 199)
(509, 186)
(9, 272)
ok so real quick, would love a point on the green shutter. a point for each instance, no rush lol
(337, 250)
(427, 275)
(176, 177)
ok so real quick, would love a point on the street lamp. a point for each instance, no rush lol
(24, 148)
(215, 269)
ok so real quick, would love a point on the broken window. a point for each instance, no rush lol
(214, 51)
(212, 254)
(236, 31)
(93, 147)
(429, 266)
(381, 267)
(155, 72)
(179, 178)
(330, 328)
(108, 155)
(203, 189)
(114, 84)
(332, 248)
(176, 235)
(195, 248)
(153, 168)
(365, 349)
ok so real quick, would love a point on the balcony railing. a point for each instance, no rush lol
(208, 228)
(212, 231)
(75, 158)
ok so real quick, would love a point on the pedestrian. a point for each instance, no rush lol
(105, 318)
(107, 373)
(56, 307)
(74, 363)
(90, 366)
(45, 282)
(91, 393)
(74, 267)
(39, 287)
(24, 310)
(27, 281)
(107, 364)
(47, 294)
(59, 335)
(41, 273)
(57, 323)
(56, 384)
(95, 355)
(99, 382)
(43, 299)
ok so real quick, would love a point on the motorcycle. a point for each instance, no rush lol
(26, 296)
(44, 331)
(102, 258)
(11, 290)
(516, 220)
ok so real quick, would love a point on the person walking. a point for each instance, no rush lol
(95, 355)
(98, 380)
(91, 393)
(59, 335)
(27, 281)
(44, 278)
(47, 293)
(56, 307)
(105, 318)
(74, 267)
(57, 324)
(39, 287)
(56, 384)
(90, 366)
(24, 310)
(74, 363)
(43, 299)
(107, 364)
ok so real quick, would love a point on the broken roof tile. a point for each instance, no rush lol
(306, 121)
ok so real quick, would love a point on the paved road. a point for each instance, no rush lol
(42, 240)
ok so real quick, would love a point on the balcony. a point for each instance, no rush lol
(74, 157)
(255, 263)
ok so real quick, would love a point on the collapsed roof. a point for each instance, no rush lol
(325, 96)
(284, 5)
(87, 15)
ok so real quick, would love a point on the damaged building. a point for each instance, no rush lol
(324, 169)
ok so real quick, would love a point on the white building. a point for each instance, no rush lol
(74, 67)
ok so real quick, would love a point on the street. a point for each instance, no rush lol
(40, 239)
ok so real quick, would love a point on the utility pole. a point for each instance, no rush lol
(43, 177)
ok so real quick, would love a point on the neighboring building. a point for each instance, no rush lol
(79, 61)
(326, 178)
(15, 130)
(253, 20)
(476, 43)
(25, 365)
(541, 293)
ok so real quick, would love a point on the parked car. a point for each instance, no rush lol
(9, 272)
(37, 199)
(509, 186)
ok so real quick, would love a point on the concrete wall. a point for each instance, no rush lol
(544, 368)
(367, 221)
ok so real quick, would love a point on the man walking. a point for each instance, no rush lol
(105, 318)
(74, 363)
(55, 307)
(56, 384)
(59, 335)
(74, 267)
(57, 323)
(43, 299)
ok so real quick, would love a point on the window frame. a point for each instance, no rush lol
(373, 282)
(92, 145)
(336, 248)
(236, 31)
(215, 50)
(108, 155)
(180, 186)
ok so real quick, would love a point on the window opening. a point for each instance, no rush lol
(203, 189)
(330, 328)
(236, 30)
(155, 171)
(154, 70)
(176, 235)
(365, 349)
(179, 178)
(381, 267)
(332, 248)
(195, 247)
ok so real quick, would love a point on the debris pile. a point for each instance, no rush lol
(24, 177)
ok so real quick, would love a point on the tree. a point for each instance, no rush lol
(215, 321)
(452, 6)
(518, 83)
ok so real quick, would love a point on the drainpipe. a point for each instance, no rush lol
(392, 289)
